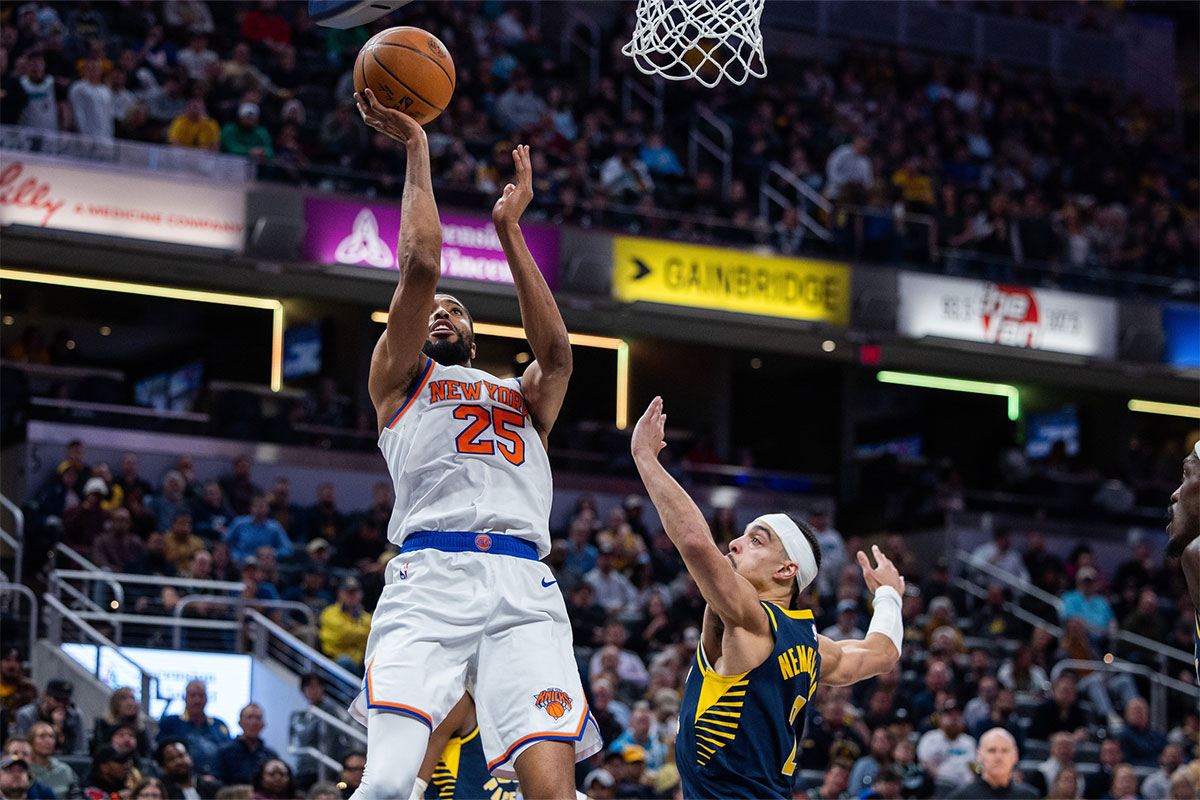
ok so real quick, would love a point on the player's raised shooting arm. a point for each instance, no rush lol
(853, 660)
(730, 596)
(544, 383)
(419, 248)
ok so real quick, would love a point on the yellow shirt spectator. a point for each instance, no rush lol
(194, 128)
(345, 625)
(916, 186)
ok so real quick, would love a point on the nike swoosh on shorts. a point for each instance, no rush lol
(551, 583)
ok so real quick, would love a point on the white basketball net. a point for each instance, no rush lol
(703, 39)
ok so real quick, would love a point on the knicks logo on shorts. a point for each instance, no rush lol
(483, 542)
(556, 702)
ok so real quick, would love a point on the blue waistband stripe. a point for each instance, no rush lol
(500, 544)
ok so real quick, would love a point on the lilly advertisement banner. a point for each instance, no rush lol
(365, 234)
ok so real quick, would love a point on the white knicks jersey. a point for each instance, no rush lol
(464, 456)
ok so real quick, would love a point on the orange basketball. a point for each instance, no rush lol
(555, 709)
(408, 69)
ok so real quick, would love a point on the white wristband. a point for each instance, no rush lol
(886, 617)
(418, 791)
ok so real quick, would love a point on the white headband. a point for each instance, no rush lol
(795, 544)
(1196, 448)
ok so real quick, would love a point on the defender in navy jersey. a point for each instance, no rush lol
(1183, 533)
(455, 766)
(760, 659)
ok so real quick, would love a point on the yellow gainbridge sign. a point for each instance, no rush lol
(730, 280)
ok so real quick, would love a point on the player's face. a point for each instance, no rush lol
(1184, 512)
(757, 555)
(451, 340)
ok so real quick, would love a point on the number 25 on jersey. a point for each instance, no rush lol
(505, 433)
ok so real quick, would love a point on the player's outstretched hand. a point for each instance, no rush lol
(515, 199)
(885, 574)
(649, 435)
(388, 121)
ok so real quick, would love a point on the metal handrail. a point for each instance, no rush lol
(306, 651)
(25, 591)
(356, 733)
(117, 408)
(90, 572)
(806, 192)
(18, 534)
(590, 50)
(697, 140)
(241, 604)
(62, 372)
(316, 755)
(630, 87)
(157, 580)
(1012, 608)
(56, 610)
(1159, 683)
(1056, 603)
(18, 551)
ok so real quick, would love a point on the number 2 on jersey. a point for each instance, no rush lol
(498, 419)
(790, 765)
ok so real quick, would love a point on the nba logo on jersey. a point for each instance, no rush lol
(483, 541)
(556, 702)
(404, 571)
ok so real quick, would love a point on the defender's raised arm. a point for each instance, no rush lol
(544, 383)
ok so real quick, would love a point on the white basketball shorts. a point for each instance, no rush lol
(500, 617)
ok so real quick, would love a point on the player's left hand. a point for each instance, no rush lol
(649, 435)
(884, 574)
(515, 199)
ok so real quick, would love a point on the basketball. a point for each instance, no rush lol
(555, 709)
(408, 69)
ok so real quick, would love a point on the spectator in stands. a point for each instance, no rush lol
(1061, 712)
(599, 784)
(129, 479)
(1001, 554)
(1020, 674)
(1141, 744)
(581, 553)
(639, 733)
(15, 778)
(849, 171)
(210, 514)
(878, 757)
(45, 767)
(611, 715)
(12, 675)
(359, 547)
(586, 615)
(123, 710)
(629, 668)
(1182, 783)
(109, 775)
(237, 487)
(979, 707)
(19, 747)
(177, 772)
(831, 733)
(1124, 783)
(1146, 620)
(117, 547)
(519, 108)
(284, 511)
(833, 784)
(92, 102)
(54, 707)
(181, 543)
(1067, 785)
(194, 127)
(352, 772)
(149, 789)
(614, 592)
(937, 680)
(833, 549)
(313, 590)
(946, 751)
(154, 560)
(40, 111)
(997, 757)
(1062, 756)
(324, 520)
(124, 739)
(1098, 783)
(240, 759)
(203, 735)
(86, 521)
(247, 533)
(172, 501)
(246, 137)
(846, 626)
(1158, 783)
(345, 625)
(308, 731)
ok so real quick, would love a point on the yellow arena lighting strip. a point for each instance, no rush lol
(580, 339)
(1166, 409)
(172, 293)
(957, 385)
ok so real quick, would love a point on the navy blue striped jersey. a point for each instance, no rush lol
(462, 772)
(737, 733)
(1198, 646)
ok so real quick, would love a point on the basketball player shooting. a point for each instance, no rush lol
(760, 658)
(467, 455)
(1183, 532)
